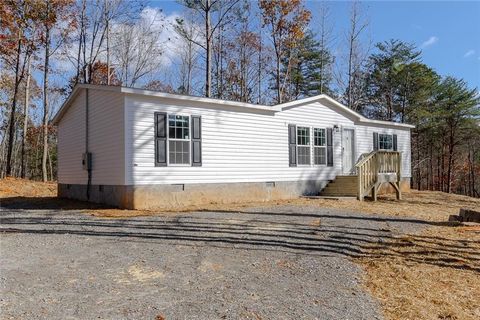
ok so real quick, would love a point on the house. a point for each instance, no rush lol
(142, 149)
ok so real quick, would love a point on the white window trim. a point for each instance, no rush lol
(171, 139)
(304, 145)
(384, 134)
(314, 146)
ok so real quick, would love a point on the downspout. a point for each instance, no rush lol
(87, 156)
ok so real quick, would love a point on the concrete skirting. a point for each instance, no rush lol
(155, 197)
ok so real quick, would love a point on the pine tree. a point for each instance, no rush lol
(388, 72)
(311, 74)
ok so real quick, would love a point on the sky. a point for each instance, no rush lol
(447, 32)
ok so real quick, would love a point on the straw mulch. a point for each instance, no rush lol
(432, 275)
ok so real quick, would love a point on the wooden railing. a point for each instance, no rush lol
(378, 167)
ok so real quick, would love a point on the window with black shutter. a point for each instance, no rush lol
(330, 147)
(177, 139)
(375, 141)
(196, 141)
(160, 139)
(292, 145)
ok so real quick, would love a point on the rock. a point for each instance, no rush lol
(469, 215)
(454, 218)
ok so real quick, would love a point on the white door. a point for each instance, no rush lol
(348, 148)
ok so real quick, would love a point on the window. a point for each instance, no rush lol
(319, 147)
(178, 139)
(303, 145)
(385, 142)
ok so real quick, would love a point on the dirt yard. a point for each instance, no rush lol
(431, 271)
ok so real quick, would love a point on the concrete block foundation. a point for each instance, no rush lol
(164, 197)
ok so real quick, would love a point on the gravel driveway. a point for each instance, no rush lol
(279, 262)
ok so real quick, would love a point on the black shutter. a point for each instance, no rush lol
(160, 139)
(292, 145)
(329, 147)
(395, 148)
(375, 141)
(196, 141)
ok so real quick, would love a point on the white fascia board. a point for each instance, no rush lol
(356, 117)
(218, 102)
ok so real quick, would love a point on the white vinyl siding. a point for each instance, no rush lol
(364, 143)
(237, 145)
(71, 143)
(250, 146)
(106, 139)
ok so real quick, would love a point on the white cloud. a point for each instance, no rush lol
(431, 41)
(167, 38)
(469, 53)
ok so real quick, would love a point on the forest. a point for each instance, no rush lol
(264, 52)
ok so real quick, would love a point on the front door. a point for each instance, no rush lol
(348, 148)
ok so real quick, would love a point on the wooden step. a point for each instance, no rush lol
(339, 183)
(338, 194)
(342, 186)
(339, 191)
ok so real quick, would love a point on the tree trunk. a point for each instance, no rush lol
(45, 102)
(25, 118)
(50, 165)
(11, 128)
(322, 50)
(208, 62)
(81, 42)
(350, 74)
(451, 149)
(260, 70)
(419, 176)
(190, 67)
(107, 39)
(430, 169)
(37, 156)
(277, 80)
(438, 182)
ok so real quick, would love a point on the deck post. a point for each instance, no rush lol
(375, 191)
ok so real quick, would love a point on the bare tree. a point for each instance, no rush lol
(15, 52)
(356, 55)
(19, 74)
(94, 34)
(137, 48)
(325, 40)
(25, 116)
(286, 22)
(54, 14)
(187, 52)
(205, 8)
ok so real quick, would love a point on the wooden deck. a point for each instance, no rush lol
(373, 170)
